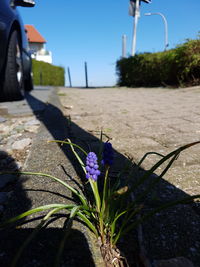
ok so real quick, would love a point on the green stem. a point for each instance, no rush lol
(105, 190)
(95, 191)
(103, 206)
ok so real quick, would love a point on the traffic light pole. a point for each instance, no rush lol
(137, 14)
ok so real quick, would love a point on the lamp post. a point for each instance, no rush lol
(166, 26)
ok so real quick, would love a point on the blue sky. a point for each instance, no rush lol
(91, 31)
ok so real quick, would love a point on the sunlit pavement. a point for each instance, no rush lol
(22, 107)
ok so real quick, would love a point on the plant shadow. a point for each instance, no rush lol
(43, 249)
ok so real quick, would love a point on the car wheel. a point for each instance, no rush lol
(13, 85)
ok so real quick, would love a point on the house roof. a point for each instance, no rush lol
(33, 35)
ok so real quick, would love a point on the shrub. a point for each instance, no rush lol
(175, 67)
(47, 74)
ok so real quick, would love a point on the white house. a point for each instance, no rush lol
(37, 45)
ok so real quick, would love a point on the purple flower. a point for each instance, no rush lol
(92, 166)
(108, 154)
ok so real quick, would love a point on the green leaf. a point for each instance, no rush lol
(174, 154)
(161, 208)
(77, 156)
(112, 227)
(146, 155)
(88, 223)
(35, 210)
(80, 196)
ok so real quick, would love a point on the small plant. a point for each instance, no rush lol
(109, 213)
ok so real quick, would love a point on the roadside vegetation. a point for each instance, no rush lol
(107, 205)
(47, 74)
(178, 67)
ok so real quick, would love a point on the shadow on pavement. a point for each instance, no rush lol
(42, 251)
(163, 234)
(9, 183)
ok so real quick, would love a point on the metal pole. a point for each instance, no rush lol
(165, 24)
(124, 38)
(69, 75)
(137, 7)
(166, 30)
(86, 75)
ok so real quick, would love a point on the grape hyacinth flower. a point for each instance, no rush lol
(108, 154)
(92, 166)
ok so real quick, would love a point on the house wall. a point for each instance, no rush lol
(46, 57)
(35, 47)
(39, 52)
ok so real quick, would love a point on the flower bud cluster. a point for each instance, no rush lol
(92, 166)
(108, 154)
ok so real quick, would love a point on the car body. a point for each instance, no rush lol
(15, 59)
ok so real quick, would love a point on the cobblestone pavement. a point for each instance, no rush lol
(142, 120)
(19, 123)
(154, 119)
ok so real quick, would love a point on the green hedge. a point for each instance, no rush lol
(175, 67)
(47, 74)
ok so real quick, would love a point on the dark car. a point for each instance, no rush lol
(15, 59)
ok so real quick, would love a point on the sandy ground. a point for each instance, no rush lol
(142, 120)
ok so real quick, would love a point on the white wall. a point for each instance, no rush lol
(39, 52)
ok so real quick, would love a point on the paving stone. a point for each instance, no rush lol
(2, 119)
(32, 128)
(21, 144)
(32, 122)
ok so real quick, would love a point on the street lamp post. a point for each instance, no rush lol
(166, 26)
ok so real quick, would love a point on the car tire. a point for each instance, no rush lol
(13, 84)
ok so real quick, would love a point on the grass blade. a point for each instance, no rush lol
(35, 210)
(160, 162)
(80, 196)
(161, 208)
(88, 223)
